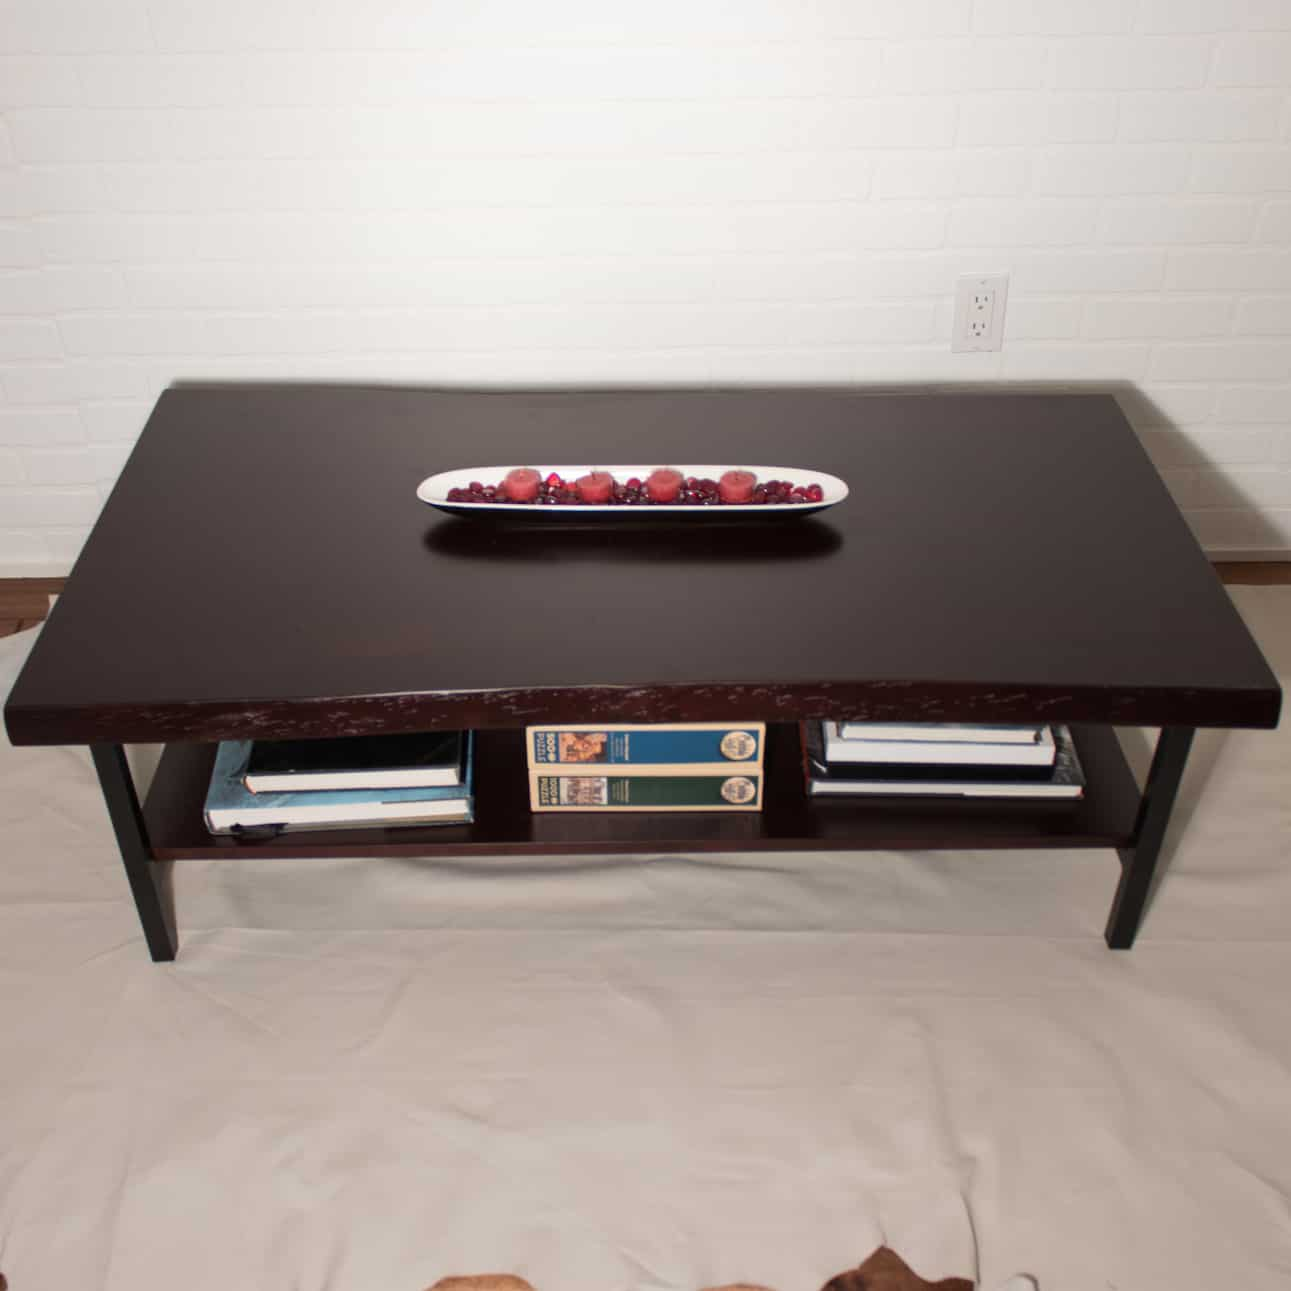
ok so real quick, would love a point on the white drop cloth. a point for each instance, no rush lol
(651, 1073)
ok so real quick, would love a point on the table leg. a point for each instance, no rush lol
(149, 879)
(1139, 859)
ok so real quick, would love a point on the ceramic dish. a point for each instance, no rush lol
(434, 491)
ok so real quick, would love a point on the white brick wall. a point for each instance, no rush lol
(689, 190)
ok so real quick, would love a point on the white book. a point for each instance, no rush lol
(231, 806)
(950, 732)
(1038, 753)
(1066, 781)
(947, 789)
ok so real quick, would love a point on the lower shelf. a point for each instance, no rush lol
(789, 822)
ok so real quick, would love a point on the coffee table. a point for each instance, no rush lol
(263, 569)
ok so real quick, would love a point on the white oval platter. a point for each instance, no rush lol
(435, 488)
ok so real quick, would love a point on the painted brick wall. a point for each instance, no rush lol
(505, 191)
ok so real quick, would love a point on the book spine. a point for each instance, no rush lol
(932, 789)
(646, 771)
(739, 791)
(717, 745)
(929, 771)
(932, 752)
(954, 733)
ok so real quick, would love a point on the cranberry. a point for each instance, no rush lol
(664, 487)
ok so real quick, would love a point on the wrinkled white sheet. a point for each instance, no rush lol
(651, 1073)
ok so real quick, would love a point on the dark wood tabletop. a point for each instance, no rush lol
(264, 568)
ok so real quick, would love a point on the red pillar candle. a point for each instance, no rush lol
(521, 485)
(663, 485)
(736, 486)
(595, 489)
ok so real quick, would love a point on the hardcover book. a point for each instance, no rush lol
(357, 762)
(948, 732)
(1063, 781)
(737, 791)
(232, 808)
(1034, 753)
(679, 744)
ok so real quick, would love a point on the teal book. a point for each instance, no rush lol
(625, 744)
(233, 808)
(584, 791)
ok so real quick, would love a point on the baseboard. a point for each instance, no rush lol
(1263, 572)
(26, 583)
(1249, 555)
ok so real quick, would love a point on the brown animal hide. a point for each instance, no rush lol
(885, 1270)
(480, 1282)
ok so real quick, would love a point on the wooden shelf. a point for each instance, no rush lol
(790, 822)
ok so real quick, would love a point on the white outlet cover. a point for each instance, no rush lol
(980, 301)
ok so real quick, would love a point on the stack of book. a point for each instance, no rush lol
(682, 766)
(267, 786)
(942, 759)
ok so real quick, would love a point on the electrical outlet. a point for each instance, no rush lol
(979, 312)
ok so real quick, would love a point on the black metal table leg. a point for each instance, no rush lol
(1139, 859)
(149, 879)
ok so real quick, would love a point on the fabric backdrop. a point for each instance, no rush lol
(654, 1072)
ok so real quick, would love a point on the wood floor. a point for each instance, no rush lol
(24, 602)
(1262, 572)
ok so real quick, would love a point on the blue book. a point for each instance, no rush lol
(232, 808)
(684, 745)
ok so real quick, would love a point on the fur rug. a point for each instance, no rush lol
(884, 1270)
